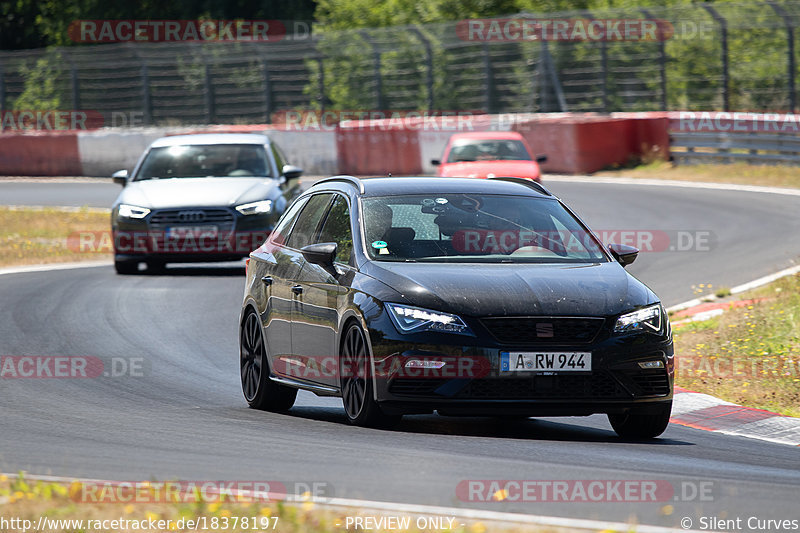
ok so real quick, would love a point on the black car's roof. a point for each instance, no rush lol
(388, 186)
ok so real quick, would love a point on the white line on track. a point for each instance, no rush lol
(572, 524)
(741, 288)
(53, 266)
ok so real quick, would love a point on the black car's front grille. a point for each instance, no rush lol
(415, 386)
(191, 217)
(543, 330)
(580, 386)
(651, 383)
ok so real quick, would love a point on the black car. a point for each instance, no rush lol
(461, 296)
(201, 197)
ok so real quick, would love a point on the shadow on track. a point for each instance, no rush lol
(529, 428)
(211, 271)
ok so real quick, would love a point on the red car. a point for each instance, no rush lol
(482, 154)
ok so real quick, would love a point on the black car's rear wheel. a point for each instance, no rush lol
(259, 391)
(641, 425)
(357, 388)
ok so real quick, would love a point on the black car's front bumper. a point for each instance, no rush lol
(471, 383)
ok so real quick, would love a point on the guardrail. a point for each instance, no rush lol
(753, 148)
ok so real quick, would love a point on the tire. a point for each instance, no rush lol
(155, 266)
(356, 382)
(642, 425)
(259, 391)
(126, 267)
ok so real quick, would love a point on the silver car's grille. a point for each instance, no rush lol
(191, 217)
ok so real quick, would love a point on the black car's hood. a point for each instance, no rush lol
(196, 192)
(597, 289)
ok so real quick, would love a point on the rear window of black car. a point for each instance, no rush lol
(475, 228)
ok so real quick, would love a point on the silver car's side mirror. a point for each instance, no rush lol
(120, 177)
(291, 172)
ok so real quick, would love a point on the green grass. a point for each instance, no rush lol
(35, 236)
(748, 355)
(736, 173)
(30, 499)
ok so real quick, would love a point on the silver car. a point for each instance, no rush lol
(203, 197)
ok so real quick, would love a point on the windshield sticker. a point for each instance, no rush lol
(379, 244)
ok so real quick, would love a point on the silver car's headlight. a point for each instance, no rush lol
(132, 211)
(650, 318)
(415, 319)
(255, 208)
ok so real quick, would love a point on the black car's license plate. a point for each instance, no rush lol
(545, 361)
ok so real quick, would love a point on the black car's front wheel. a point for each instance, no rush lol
(259, 391)
(642, 425)
(356, 381)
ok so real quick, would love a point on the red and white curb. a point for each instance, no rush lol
(702, 411)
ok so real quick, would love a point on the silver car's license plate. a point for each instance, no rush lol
(197, 232)
(545, 361)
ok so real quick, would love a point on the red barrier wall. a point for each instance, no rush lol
(367, 149)
(50, 154)
(580, 145)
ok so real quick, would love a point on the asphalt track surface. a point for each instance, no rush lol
(184, 418)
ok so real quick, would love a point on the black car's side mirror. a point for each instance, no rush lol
(541, 159)
(120, 177)
(291, 172)
(623, 253)
(322, 254)
(435, 162)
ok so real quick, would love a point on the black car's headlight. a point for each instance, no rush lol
(132, 211)
(416, 319)
(255, 208)
(650, 318)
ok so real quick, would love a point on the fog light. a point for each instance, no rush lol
(651, 364)
(424, 363)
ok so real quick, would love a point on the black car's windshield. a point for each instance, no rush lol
(204, 160)
(473, 228)
(488, 150)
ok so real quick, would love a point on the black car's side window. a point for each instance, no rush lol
(337, 229)
(281, 231)
(305, 229)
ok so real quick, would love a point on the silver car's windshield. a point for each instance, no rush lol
(205, 160)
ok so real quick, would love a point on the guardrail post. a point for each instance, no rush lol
(488, 99)
(2, 89)
(604, 66)
(75, 85)
(428, 65)
(147, 104)
(723, 26)
(790, 59)
(376, 61)
(211, 113)
(321, 83)
(550, 69)
(662, 62)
